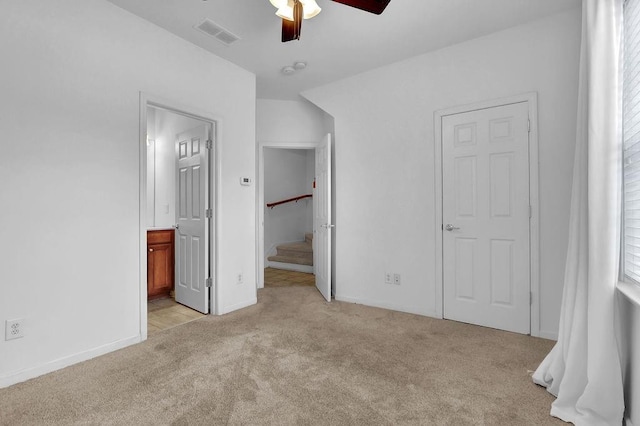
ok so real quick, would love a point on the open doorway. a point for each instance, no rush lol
(289, 175)
(177, 216)
(287, 172)
(288, 211)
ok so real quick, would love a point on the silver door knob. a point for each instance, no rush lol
(449, 227)
(177, 226)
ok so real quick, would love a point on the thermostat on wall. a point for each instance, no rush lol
(246, 181)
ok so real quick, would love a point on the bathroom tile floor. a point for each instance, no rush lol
(167, 313)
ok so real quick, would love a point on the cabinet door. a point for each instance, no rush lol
(159, 269)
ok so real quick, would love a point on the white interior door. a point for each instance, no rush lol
(192, 200)
(486, 211)
(322, 219)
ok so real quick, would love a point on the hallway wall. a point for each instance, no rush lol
(287, 123)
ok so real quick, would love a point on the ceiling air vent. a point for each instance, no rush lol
(217, 31)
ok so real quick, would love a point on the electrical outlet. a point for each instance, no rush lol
(240, 278)
(388, 278)
(396, 279)
(14, 329)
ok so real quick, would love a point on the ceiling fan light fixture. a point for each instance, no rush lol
(285, 8)
(311, 8)
(279, 3)
(285, 12)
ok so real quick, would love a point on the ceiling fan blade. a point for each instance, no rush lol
(291, 29)
(373, 6)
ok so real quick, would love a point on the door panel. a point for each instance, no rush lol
(485, 172)
(322, 218)
(465, 259)
(191, 242)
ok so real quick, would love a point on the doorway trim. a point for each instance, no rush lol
(534, 222)
(149, 100)
(260, 199)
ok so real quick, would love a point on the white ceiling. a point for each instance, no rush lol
(341, 41)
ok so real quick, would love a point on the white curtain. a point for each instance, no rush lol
(583, 369)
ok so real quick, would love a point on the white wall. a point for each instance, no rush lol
(151, 167)
(286, 176)
(166, 126)
(385, 157)
(310, 169)
(71, 75)
(289, 121)
(629, 309)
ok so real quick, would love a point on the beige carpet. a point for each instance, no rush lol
(295, 359)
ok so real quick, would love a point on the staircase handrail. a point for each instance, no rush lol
(289, 200)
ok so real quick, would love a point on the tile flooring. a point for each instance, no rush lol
(167, 313)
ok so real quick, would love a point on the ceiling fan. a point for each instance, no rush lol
(293, 12)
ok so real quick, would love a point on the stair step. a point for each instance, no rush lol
(308, 237)
(298, 253)
(299, 247)
(294, 260)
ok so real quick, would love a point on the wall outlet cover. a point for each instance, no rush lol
(14, 329)
(396, 279)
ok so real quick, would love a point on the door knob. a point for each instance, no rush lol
(449, 227)
(177, 226)
(150, 249)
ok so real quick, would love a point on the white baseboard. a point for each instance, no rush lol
(377, 304)
(551, 335)
(30, 373)
(245, 304)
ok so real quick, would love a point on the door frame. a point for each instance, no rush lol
(534, 222)
(260, 199)
(149, 100)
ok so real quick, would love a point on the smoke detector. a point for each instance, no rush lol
(297, 66)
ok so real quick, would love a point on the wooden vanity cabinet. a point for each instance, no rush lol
(160, 263)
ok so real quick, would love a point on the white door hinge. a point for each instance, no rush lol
(530, 298)
(209, 144)
(209, 282)
(529, 126)
(208, 213)
(530, 212)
